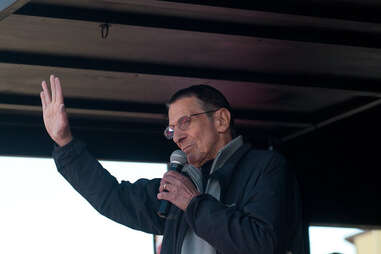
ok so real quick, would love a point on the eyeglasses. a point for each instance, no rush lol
(183, 124)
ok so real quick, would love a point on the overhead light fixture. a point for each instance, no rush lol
(7, 7)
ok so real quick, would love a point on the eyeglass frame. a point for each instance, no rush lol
(184, 129)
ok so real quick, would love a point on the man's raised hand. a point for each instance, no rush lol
(54, 113)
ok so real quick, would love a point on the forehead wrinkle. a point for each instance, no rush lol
(185, 106)
(173, 124)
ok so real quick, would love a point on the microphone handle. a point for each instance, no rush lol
(165, 204)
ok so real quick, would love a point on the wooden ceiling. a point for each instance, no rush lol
(288, 68)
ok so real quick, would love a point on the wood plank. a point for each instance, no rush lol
(343, 9)
(205, 12)
(157, 89)
(166, 46)
(222, 21)
(138, 117)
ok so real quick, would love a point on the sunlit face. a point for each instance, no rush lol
(200, 142)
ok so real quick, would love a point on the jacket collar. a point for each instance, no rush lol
(225, 173)
(225, 153)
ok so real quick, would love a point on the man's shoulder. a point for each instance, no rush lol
(263, 154)
(260, 161)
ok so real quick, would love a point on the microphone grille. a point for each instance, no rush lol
(178, 157)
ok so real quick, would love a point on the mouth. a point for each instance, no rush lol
(186, 148)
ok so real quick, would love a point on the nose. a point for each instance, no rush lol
(178, 136)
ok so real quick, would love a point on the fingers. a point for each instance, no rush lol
(62, 108)
(173, 180)
(56, 95)
(53, 87)
(168, 187)
(174, 177)
(43, 100)
(178, 192)
(174, 174)
(163, 185)
(46, 93)
(167, 191)
(169, 180)
(165, 195)
(58, 92)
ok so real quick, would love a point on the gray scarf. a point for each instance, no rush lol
(192, 243)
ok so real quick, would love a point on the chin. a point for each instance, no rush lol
(194, 160)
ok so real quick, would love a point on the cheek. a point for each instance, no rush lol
(200, 142)
(206, 140)
(203, 136)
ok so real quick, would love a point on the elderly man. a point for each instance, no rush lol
(247, 201)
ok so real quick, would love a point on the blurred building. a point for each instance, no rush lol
(367, 242)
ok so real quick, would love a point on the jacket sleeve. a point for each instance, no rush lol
(131, 204)
(258, 226)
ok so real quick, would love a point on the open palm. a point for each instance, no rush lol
(54, 113)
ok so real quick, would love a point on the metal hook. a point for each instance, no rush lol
(104, 30)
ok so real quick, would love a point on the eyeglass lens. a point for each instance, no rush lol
(183, 124)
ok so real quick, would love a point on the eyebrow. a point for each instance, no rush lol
(172, 125)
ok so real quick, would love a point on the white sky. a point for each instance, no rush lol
(41, 213)
(325, 240)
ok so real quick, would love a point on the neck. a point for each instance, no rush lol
(222, 141)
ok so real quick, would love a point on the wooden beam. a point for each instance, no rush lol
(334, 119)
(140, 116)
(350, 9)
(216, 20)
(369, 86)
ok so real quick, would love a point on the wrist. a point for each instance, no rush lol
(193, 196)
(64, 141)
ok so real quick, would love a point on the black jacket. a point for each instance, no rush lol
(259, 210)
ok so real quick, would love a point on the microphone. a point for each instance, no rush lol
(177, 161)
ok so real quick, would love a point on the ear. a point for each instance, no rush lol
(222, 120)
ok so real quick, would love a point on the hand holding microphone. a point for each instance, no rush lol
(175, 187)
